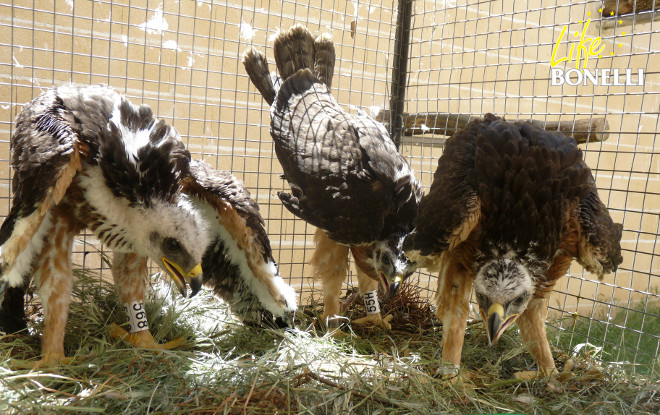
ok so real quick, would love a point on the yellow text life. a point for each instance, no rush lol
(585, 47)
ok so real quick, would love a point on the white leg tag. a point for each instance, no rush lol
(137, 317)
(371, 302)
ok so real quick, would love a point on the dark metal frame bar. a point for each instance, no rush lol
(400, 70)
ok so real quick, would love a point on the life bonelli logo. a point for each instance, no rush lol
(581, 52)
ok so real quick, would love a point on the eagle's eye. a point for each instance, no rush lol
(172, 245)
(481, 299)
(518, 301)
(386, 260)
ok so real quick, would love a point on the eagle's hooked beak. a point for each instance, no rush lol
(179, 277)
(401, 277)
(390, 289)
(395, 286)
(496, 322)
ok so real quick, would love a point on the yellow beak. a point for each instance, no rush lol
(496, 322)
(195, 272)
(179, 277)
(395, 286)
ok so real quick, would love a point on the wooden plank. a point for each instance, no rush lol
(621, 7)
(582, 130)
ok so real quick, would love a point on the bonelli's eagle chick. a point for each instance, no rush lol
(346, 176)
(510, 207)
(86, 158)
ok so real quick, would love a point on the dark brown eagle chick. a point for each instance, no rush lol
(346, 175)
(510, 206)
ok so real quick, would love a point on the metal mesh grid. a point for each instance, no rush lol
(475, 57)
(182, 57)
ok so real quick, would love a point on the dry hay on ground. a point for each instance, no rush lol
(229, 368)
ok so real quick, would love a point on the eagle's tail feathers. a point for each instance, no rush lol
(24, 229)
(256, 67)
(600, 247)
(324, 58)
(12, 304)
(294, 50)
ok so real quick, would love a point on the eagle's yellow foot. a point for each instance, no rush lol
(338, 333)
(50, 360)
(375, 320)
(143, 339)
(567, 372)
(333, 324)
(535, 374)
(451, 374)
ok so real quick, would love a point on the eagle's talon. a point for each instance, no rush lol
(447, 370)
(333, 321)
(143, 339)
(49, 361)
(451, 374)
(375, 320)
(337, 333)
(536, 374)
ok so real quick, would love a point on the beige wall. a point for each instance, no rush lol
(182, 58)
(495, 57)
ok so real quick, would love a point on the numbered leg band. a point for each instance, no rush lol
(137, 317)
(371, 302)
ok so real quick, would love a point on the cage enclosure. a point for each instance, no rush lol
(424, 68)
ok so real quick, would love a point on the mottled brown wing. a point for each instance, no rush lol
(345, 173)
(46, 155)
(452, 209)
(599, 246)
(228, 196)
(531, 181)
(238, 264)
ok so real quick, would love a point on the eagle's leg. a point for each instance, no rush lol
(129, 271)
(54, 279)
(453, 305)
(532, 330)
(330, 262)
(366, 285)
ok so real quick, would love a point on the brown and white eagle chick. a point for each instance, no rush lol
(86, 158)
(346, 176)
(238, 264)
(510, 207)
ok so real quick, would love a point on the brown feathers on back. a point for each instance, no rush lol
(219, 186)
(345, 173)
(529, 184)
(511, 205)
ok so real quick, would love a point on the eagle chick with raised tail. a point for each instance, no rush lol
(346, 175)
(510, 207)
(86, 158)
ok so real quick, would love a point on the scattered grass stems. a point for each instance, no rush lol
(629, 337)
(228, 368)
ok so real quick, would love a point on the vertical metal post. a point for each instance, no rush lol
(400, 69)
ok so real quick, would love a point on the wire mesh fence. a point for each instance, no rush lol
(464, 59)
(468, 58)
